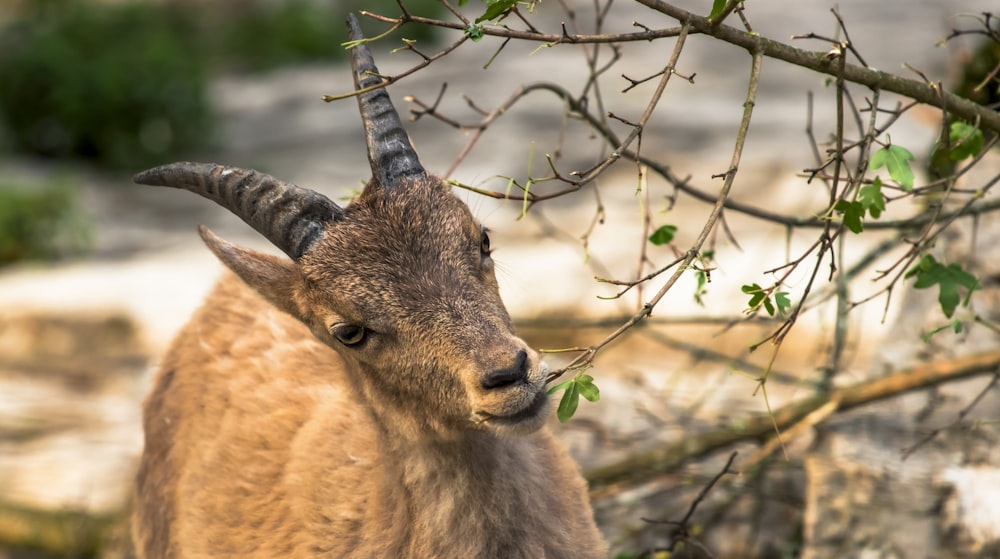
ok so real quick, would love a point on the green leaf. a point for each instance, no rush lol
(703, 277)
(758, 297)
(852, 212)
(966, 141)
(560, 386)
(871, 199)
(752, 288)
(756, 293)
(475, 32)
(929, 272)
(896, 159)
(783, 302)
(587, 388)
(701, 289)
(664, 235)
(570, 401)
(462, 2)
(717, 6)
(769, 306)
(580, 385)
(926, 262)
(495, 9)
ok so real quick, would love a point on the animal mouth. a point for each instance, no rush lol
(537, 405)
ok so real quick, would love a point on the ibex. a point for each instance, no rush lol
(366, 398)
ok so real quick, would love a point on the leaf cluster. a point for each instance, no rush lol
(760, 297)
(664, 235)
(869, 199)
(580, 385)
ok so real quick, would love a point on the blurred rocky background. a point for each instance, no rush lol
(96, 274)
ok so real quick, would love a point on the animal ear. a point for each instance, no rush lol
(274, 278)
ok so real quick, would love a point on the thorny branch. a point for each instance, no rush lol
(961, 417)
(685, 184)
(576, 180)
(577, 105)
(553, 39)
(642, 467)
(682, 531)
(830, 244)
(818, 62)
(875, 79)
(841, 166)
(587, 356)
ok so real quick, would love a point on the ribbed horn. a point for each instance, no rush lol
(289, 216)
(390, 153)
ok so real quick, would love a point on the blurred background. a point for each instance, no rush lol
(97, 274)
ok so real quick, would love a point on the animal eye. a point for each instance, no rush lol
(349, 334)
(484, 243)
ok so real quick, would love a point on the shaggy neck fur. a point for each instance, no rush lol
(487, 491)
(484, 490)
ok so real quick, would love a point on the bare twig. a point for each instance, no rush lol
(587, 357)
(682, 531)
(388, 80)
(644, 466)
(874, 79)
(907, 452)
(553, 38)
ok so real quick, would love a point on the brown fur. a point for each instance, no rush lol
(267, 437)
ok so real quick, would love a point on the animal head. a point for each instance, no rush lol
(400, 282)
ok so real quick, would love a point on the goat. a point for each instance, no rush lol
(366, 398)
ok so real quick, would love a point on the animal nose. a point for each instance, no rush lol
(501, 378)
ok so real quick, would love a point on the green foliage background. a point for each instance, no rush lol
(40, 222)
(120, 85)
(124, 84)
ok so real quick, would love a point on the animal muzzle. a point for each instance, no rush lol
(517, 373)
(512, 399)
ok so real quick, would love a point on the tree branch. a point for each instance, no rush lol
(645, 466)
(819, 62)
(554, 39)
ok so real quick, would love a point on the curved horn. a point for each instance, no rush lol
(289, 216)
(389, 150)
